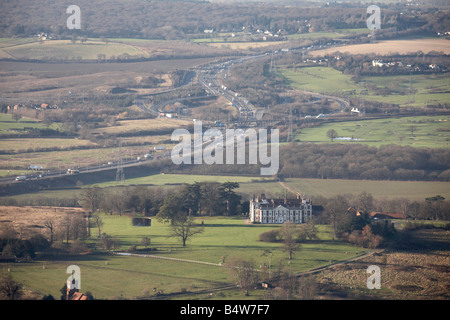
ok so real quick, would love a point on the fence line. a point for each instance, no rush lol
(167, 258)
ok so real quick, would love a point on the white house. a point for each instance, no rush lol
(264, 210)
(377, 63)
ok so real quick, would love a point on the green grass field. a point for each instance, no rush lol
(412, 190)
(66, 50)
(429, 89)
(66, 155)
(428, 132)
(9, 125)
(108, 276)
(319, 79)
(248, 186)
(172, 179)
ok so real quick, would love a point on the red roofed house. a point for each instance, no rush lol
(72, 291)
(386, 215)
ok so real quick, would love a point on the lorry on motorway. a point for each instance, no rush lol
(21, 178)
(72, 171)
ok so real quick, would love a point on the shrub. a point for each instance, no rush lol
(269, 236)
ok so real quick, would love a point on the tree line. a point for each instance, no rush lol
(340, 161)
(156, 19)
(197, 199)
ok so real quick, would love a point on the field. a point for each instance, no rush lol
(338, 33)
(430, 89)
(109, 276)
(9, 125)
(195, 271)
(391, 46)
(63, 152)
(65, 49)
(428, 132)
(31, 220)
(21, 144)
(134, 126)
(248, 186)
(405, 275)
(412, 190)
(176, 179)
(41, 84)
(61, 160)
(319, 79)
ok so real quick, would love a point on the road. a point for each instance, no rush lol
(208, 76)
(209, 79)
(46, 174)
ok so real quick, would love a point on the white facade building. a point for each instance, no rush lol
(264, 210)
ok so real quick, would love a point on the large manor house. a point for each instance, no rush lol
(264, 210)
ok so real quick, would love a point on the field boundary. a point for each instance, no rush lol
(284, 185)
(167, 258)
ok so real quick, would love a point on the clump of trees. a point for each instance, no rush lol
(349, 216)
(361, 64)
(197, 199)
(351, 222)
(256, 81)
(10, 289)
(54, 232)
(282, 284)
(179, 208)
(341, 161)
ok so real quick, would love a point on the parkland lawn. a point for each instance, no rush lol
(108, 275)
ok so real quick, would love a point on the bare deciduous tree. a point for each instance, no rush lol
(289, 235)
(98, 222)
(10, 289)
(91, 198)
(184, 228)
(243, 272)
(50, 225)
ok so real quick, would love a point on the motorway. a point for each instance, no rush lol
(208, 76)
(47, 174)
(209, 79)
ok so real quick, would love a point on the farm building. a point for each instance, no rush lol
(73, 293)
(264, 210)
(386, 215)
(142, 222)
